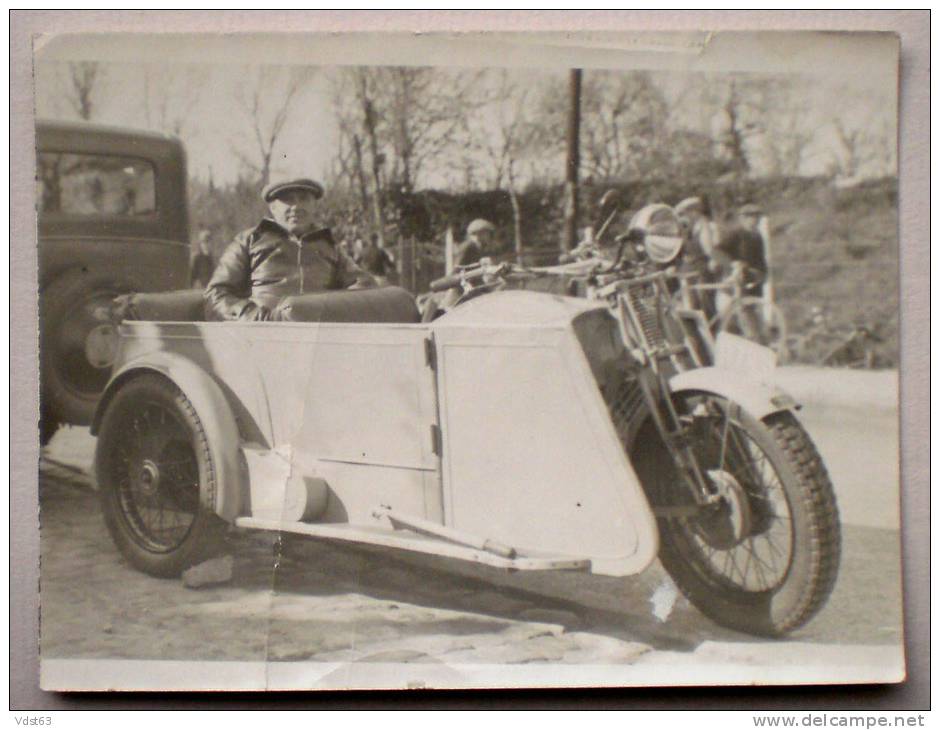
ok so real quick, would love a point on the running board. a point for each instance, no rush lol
(417, 543)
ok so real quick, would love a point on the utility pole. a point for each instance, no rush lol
(570, 239)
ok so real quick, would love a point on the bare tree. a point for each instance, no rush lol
(498, 137)
(426, 112)
(82, 77)
(266, 100)
(624, 123)
(740, 126)
(355, 94)
(864, 136)
(170, 95)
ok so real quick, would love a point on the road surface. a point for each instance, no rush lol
(318, 602)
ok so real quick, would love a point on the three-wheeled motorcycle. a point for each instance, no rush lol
(522, 430)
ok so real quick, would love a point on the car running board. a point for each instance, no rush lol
(417, 542)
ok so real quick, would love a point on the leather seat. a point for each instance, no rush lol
(386, 304)
(390, 304)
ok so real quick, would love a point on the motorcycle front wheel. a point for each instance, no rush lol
(764, 555)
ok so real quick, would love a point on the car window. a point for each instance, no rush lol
(96, 185)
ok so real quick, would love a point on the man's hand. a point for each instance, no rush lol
(255, 313)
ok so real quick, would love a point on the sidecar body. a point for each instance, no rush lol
(485, 435)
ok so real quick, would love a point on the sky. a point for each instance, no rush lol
(203, 77)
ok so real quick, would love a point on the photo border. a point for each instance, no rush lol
(914, 216)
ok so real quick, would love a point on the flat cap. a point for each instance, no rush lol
(480, 224)
(750, 209)
(272, 190)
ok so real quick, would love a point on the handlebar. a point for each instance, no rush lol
(446, 282)
(474, 273)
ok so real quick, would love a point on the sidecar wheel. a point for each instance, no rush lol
(157, 479)
(765, 557)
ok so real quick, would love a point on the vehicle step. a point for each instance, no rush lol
(407, 540)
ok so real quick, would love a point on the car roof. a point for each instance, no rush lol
(83, 127)
(92, 137)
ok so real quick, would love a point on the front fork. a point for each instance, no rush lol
(674, 429)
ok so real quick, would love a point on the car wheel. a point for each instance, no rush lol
(78, 343)
(157, 478)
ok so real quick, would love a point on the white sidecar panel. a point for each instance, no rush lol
(360, 394)
(531, 458)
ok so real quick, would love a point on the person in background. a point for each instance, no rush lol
(480, 235)
(351, 245)
(286, 254)
(742, 252)
(701, 238)
(744, 245)
(377, 260)
(201, 265)
(703, 231)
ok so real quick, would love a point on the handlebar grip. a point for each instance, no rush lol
(445, 283)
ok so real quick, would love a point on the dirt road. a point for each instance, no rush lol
(312, 601)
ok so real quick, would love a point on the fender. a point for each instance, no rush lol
(214, 413)
(756, 397)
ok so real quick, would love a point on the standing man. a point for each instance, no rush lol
(201, 265)
(695, 213)
(698, 250)
(479, 238)
(743, 250)
(286, 254)
(744, 245)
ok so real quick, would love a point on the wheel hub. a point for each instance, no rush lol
(728, 521)
(149, 478)
(101, 346)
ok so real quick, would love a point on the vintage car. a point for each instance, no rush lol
(520, 430)
(112, 218)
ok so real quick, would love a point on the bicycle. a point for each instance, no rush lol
(828, 346)
(748, 316)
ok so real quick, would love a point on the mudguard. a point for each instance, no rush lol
(214, 413)
(758, 398)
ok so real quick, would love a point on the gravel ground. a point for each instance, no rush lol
(329, 602)
(300, 600)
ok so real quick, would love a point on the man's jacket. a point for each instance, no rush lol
(265, 264)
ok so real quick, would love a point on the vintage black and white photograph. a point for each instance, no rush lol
(468, 361)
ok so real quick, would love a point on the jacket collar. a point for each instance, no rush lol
(323, 234)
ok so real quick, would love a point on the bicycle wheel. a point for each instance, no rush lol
(756, 320)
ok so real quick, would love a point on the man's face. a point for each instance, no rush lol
(750, 220)
(484, 238)
(293, 210)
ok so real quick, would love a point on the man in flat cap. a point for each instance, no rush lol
(479, 239)
(285, 254)
(745, 245)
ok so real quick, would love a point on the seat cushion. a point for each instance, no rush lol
(385, 304)
(184, 305)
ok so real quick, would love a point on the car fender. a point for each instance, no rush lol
(214, 413)
(758, 398)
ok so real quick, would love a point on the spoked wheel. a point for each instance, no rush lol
(753, 318)
(763, 556)
(156, 478)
